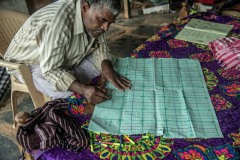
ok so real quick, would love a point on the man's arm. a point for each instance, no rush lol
(94, 95)
(110, 75)
(102, 52)
(53, 42)
(104, 61)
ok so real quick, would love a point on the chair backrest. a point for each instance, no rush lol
(10, 22)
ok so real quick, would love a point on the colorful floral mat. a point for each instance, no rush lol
(224, 89)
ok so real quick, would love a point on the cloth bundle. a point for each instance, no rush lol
(50, 126)
(227, 51)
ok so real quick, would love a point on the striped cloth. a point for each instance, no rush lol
(51, 126)
(227, 51)
(4, 82)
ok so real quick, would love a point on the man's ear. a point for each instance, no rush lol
(85, 6)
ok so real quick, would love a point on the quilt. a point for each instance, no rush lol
(224, 89)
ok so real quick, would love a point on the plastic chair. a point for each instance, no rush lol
(10, 23)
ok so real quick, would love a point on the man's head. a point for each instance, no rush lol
(99, 14)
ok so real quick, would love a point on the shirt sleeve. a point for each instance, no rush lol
(53, 45)
(102, 52)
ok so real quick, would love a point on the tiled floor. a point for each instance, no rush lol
(123, 37)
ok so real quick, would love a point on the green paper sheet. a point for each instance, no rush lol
(203, 32)
(168, 98)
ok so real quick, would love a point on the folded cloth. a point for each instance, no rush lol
(50, 126)
(227, 51)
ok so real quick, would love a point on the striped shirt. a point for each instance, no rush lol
(54, 37)
(227, 51)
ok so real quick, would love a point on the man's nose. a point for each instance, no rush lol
(105, 26)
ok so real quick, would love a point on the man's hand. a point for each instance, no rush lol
(108, 74)
(94, 95)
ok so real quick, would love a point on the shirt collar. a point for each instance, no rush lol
(78, 24)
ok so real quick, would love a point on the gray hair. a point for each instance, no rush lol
(113, 6)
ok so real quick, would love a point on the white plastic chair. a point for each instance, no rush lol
(10, 23)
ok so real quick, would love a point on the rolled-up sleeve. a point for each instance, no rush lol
(102, 52)
(53, 47)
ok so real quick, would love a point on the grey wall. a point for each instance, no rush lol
(19, 5)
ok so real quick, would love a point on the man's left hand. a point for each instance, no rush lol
(110, 75)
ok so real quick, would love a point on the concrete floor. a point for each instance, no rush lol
(123, 37)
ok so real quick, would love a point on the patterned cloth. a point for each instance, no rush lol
(76, 105)
(223, 86)
(227, 51)
(4, 82)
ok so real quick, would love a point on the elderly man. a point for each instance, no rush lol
(64, 45)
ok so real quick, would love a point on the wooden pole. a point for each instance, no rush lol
(127, 11)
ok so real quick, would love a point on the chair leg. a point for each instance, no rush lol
(20, 119)
(14, 106)
(38, 99)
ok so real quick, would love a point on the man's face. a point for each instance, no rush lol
(96, 21)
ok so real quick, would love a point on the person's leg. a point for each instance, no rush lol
(43, 85)
(86, 70)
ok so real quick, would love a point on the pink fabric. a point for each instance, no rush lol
(227, 51)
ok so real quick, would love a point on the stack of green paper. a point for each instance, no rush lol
(203, 32)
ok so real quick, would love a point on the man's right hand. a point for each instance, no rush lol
(93, 94)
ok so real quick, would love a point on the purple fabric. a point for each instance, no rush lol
(224, 89)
